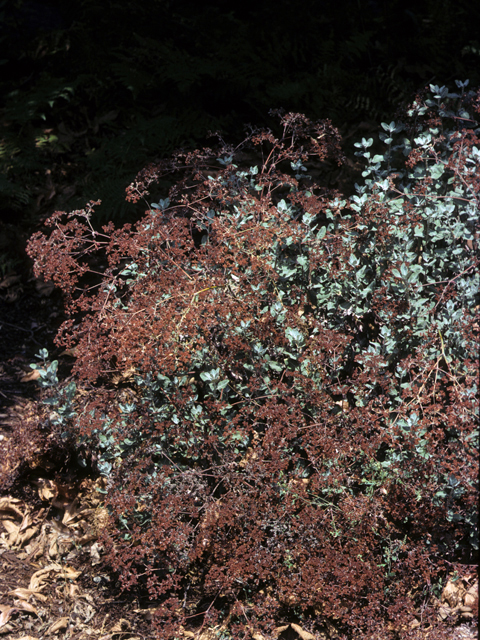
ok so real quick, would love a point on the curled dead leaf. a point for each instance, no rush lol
(281, 629)
(47, 489)
(26, 535)
(6, 614)
(10, 504)
(444, 612)
(10, 527)
(18, 535)
(36, 549)
(39, 579)
(73, 591)
(471, 597)
(250, 456)
(30, 377)
(124, 375)
(61, 623)
(71, 513)
(304, 635)
(451, 594)
(70, 573)
(53, 546)
(23, 605)
(26, 594)
(299, 632)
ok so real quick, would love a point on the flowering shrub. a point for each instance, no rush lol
(281, 384)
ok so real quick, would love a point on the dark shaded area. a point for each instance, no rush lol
(91, 92)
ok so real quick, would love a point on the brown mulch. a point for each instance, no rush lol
(51, 580)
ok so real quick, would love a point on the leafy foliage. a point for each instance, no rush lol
(282, 386)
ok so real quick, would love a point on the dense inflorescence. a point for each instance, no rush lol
(281, 384)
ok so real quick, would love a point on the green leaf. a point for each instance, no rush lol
(275, 366)
(437, 171)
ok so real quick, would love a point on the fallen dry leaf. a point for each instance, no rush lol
(10, 504)
(71, 353)
(451, 594)
(71, 514)
(40, 577)
(6, 614)
(70, 573)
(53, 550)
(26, 522)
(25, 594)
(47, 489)
(301, 633)
(73, 591)
(36, 549)
(11, 527)
(471, 597)
(60, 624)
(25, 606)
(27, 535)
(15, 538)
(304, 635)
(30, 377)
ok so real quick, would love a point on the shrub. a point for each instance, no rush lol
(39, 439)
(281, 384)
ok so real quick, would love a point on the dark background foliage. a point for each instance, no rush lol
(92, 91)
